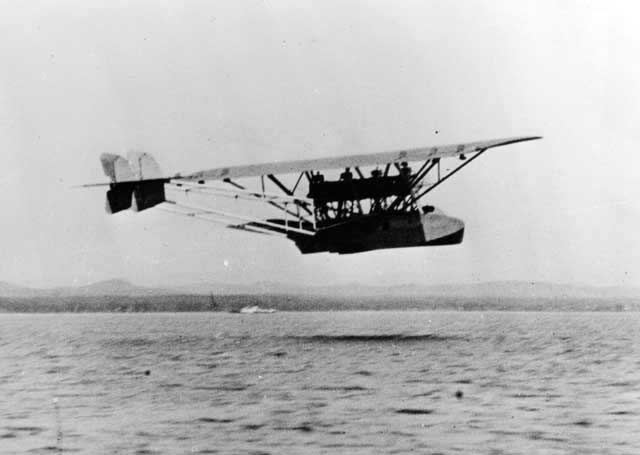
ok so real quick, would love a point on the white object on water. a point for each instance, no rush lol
(256, 309)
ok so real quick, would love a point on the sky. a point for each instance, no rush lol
(207, 84)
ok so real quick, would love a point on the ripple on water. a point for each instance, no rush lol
(428, 393)
(128, 342)
(46, 449)
(171, 385)
(304, 428)
(31, 430)
(583, 423)
(395, 338)
(253, 426)
(622, 413)
(363, 373)
(414, 411)
(277, 353)
(341, 388)
(540, 435)
(214, 420)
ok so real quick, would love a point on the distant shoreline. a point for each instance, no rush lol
(294, 302)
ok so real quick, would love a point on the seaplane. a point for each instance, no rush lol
(374, 201)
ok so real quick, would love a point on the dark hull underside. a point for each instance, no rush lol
(383, 231)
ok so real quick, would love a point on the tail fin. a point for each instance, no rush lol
(144, 166)
(136, 182)
(116, 168)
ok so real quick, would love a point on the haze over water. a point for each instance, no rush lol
(339, 382)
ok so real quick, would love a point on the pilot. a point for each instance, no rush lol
(405, 170)
(346, 175)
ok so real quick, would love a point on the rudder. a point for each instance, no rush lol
(136, 182)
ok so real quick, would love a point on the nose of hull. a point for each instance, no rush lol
(441, 229)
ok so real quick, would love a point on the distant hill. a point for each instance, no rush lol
(485, 290)
(111, 287)
(11, 290)
(518, 289)
(101, 288)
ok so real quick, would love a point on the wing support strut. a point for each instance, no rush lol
(280, 185)
(295, 187)
(277, 201)
(272, 203)
(220, 216)
(423, 171)
(450, 174)
(232, 183)
(288, 192)
(167, 207)
(415, 181)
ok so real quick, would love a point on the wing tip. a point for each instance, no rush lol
(515, 140)
(523, 139)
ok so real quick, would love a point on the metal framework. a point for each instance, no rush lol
(291, 206)
(305, 215)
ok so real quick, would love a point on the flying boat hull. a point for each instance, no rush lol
(383, 231)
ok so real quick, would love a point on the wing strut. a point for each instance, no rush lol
(424, 170)
(280, 202)
(295, 187)
(288, 192)
(237, 185)
(272, 203)
(415, 181)
(446, 177)
(220, 216)
(280, 185)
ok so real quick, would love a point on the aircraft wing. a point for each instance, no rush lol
(372, 159)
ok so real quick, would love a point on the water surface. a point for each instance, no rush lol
(307, 383)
